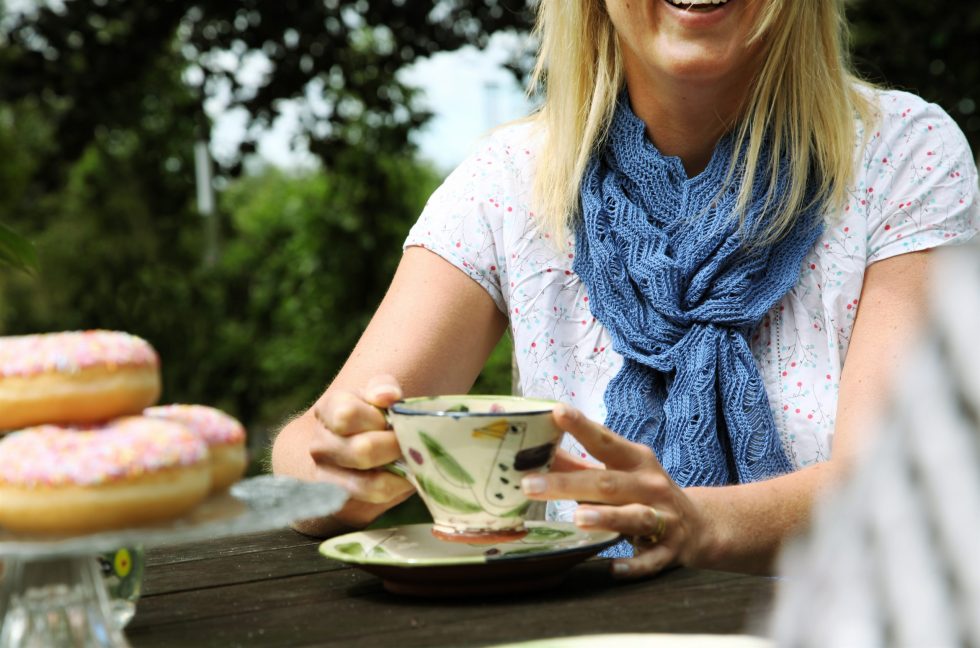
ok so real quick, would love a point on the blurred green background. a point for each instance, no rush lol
(254, 306)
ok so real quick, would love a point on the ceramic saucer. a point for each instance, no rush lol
(410, 560)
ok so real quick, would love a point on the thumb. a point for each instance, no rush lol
(382, 390)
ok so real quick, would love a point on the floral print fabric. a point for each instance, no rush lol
(915, 187)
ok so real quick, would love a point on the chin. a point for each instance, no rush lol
(695, 64)
(699, 71)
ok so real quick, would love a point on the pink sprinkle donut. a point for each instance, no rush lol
(75, 377)
(224, 435)
(69, 480)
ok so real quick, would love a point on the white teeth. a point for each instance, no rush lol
(697, 3)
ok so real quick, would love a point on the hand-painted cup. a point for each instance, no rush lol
(466, 455)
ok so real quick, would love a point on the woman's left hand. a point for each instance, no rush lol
(632, 495)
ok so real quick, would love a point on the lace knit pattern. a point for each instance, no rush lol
(666, 271)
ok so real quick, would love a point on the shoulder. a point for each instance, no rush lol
(908, 122)
(915, 181)
(499, 170)
(912, 142)
(496, 176)
(481, 219)
(897, 105)
(508, 149)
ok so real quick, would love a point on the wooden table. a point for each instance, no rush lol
(274, 589)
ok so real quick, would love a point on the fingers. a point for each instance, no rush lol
(347, 414)
(599, 486)
(376, 486)
(565, 462)
(612, 495)
(634, 520)
(371, 494)
(367, 486)
(600, 441)
(630, 520)
(383, 390)
(362, 451)
(644, 563)
(352, 442)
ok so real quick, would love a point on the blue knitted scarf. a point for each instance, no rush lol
(663, 261)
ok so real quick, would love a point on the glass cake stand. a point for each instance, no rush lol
(52, 591)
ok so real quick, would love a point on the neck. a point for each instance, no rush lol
(686, 119)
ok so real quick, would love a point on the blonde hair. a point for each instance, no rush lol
(804, 100)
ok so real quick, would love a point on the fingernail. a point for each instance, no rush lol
(563, 410)
(534, 485)
(620, 568)
(569, 413)
(382, 393)
(586, 517)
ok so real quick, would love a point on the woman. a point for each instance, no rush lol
(708, 214)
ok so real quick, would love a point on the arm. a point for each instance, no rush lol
(431, 334)
(742, 527)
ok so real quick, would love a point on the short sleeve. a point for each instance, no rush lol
(461, 221)
(918, 180)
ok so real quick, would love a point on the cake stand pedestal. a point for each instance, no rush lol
(52, 593)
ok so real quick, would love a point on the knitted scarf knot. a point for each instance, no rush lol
(663, 261)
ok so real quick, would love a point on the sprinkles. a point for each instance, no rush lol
(72, 351)
(210, 424)
(51, 455)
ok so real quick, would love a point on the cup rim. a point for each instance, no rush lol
(405, 407)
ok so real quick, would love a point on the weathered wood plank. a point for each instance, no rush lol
(207, 549)
(346, 607)
(231, 569)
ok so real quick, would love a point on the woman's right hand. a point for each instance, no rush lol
(350, 445)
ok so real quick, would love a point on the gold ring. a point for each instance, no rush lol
(652, 538)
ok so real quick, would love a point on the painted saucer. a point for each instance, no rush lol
(410, 560)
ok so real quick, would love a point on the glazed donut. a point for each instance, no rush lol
(224, 436)
(75, 377)
(132, 471)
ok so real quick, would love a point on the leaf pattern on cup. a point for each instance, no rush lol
(445, 463)
(444, 498)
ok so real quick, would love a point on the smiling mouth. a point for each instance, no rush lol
(697, 5)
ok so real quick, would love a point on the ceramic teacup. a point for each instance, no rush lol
(466, 455)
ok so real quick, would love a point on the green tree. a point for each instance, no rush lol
(310, 259)
(100, 104)
(88, 62)
(15, 251)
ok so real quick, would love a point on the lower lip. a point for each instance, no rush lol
(700, 17)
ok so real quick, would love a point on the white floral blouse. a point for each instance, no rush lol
(915, 187)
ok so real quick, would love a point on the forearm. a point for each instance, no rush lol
(291, 457)
(291, 449)
(747, 524)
